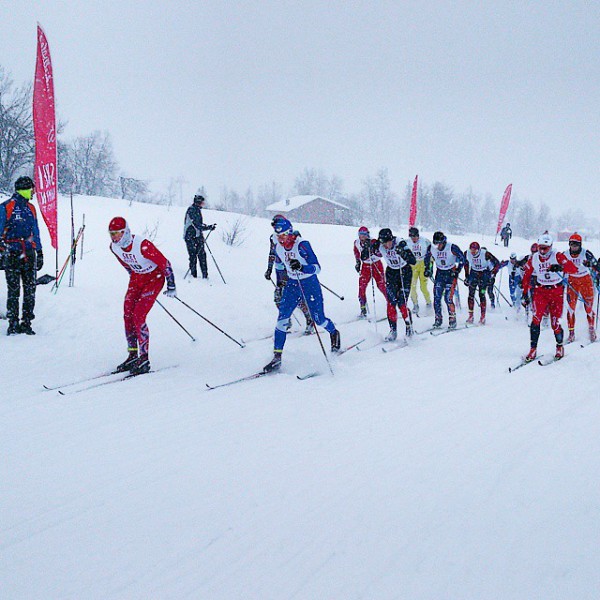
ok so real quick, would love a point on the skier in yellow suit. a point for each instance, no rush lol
(419, 247)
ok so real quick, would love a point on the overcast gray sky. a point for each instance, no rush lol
(244, 93)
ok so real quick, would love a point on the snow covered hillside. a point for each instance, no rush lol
(427, 473)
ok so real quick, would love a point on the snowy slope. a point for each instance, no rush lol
(427, 473)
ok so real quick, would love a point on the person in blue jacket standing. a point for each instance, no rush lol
(22, 254)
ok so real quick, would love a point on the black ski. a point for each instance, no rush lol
(240, 379)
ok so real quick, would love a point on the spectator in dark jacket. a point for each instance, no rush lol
(22, 250)
(193, 235)
(506, 234)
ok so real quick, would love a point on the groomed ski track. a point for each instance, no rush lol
(428, 473)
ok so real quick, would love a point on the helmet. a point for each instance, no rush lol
(545, 240)
(198, 198)
(24, 183)
(474, 246)
(281, 225)
(513, 255)
(439, 237)
(576, 238)
(413, 232)
(119, 224)
(363, 230)
(385, 235)
(534, 248)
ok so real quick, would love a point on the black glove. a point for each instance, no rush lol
(295, 265)
(454, 273)
(212, 227)
(427, 273)
(526, 301)
(357, 266)
(556, 268)
(375, 246)
(39, 260)
(402, 244)
(268, 273)
(467, 282)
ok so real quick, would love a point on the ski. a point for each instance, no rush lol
(240, 380)
(123, 377)
(521, 364)
(307, 376)
(458, 328)
(350, 347)
(545, 361)
(393, 346)
(78, 381)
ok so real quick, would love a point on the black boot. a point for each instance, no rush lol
(13, 328)
(141, 365)
(128, 363)
(274, 365)
(25, 327)
(336, 341)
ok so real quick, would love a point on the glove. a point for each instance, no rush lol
(268, 273)
(295, 265)
(467, 282)
(427, 273)
(454, 273)
(375, 246)
(212, 227)
(556, 268)
(526, 301)
(171, 291)
(39, 260)
(357, 266)
(402, 244)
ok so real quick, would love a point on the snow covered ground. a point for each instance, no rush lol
(427, 473)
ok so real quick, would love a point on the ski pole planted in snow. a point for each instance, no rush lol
(176, 321)
(214, 259)
(209, 322)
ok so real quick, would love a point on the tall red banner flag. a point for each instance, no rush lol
(412, 217)
(504, 207)
(44, 127)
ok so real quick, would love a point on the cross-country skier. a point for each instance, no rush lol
(193, 235)
(302, 267)
(546, 266)
(418, 246)
(148, 268)
(398, 275)
(493, 266)
(449, 260)
(477, 274)
(369, 265)
(580, 284)
(515, 278)
(281, 278)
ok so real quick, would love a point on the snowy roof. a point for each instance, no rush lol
(294, 202)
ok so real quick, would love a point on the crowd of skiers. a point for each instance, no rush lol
(537, 281)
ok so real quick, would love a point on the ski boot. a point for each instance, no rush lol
(363, 312)
(128, 363)
(593, 336)
(560, 352)
(532, 355)
(482, 320)
(470, 319)
(141, 365)
(571, 337)
(416, 309)
(437, 323)
(392, 335)
(274, 365)
(409, 328)
(25, 327)
(452, 322)
(336, 341)
(13, 328)
(309, 328)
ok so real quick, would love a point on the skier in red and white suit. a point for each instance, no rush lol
(369, 264)
(148, 268)
(546, 266)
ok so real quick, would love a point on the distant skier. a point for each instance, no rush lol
(193, 234)
(369, 265)
(449, 260)
(419, 246)
(506, 234)
(398, 275)
(22, 254)
(281, 278)
(302, 267)
(546, 266)
(477, 274)
(148, 268)
(515, 278)
(580, 285)
(493, 266)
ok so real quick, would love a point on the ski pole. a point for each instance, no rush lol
(214, 260)
(336, 295)
(293, 315)
(209, 322)
(314, 324)
(474, 297)
(174, 319)
(503, 296)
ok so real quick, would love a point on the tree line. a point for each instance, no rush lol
(87, 165)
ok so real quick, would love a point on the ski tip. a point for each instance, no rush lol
(61, 393)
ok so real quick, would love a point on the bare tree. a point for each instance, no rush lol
(16, 131)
